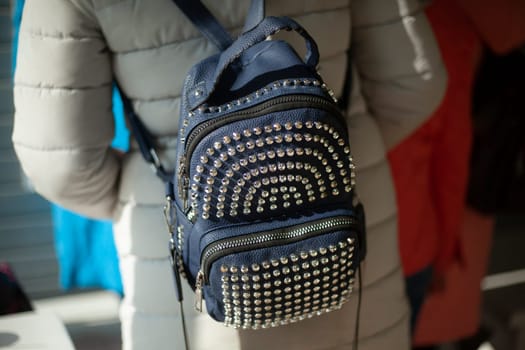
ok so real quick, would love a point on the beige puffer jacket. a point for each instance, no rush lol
(71, 50)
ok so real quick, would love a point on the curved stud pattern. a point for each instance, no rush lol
(302, 162)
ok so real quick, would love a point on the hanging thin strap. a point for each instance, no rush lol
(144, 139)
(207, 24)
(210, 27)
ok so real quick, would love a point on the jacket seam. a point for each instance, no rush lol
(380, 279)
(384, 220)
(43, 86)
(372, 165)
(155, 99)
(305, 14)
(387, 329)
(388, 22)
(58, 36)
(153, 48)
(76, 149)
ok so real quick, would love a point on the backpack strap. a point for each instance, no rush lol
(255, 15)
(144, 139)
(210, 27)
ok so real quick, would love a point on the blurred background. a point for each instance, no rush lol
(55, 262)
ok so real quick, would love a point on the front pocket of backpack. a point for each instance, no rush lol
(275, 277)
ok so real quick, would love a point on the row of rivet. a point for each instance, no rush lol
(289, 192)
(180, 245)
(277, 127)
(288, 289)
(225, 185)
(259, 93)
(231, 151)
(287, 83)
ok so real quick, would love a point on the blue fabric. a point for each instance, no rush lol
(85, 247)
(86, 252)
(250, 192)
(17, 17)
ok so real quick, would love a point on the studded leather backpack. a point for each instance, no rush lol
(264, 219)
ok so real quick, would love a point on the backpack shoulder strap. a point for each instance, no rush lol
(210, 27)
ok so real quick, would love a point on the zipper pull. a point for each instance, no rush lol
(198, 291)
(169, 215)
(183, 182)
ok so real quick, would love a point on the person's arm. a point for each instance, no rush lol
(402, 77)
(63, 123)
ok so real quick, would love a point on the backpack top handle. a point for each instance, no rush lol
(268, 27)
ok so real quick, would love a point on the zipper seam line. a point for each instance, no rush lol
(283, 234)
(279, 236)
(322, 102)
(351, 222)
(262, 106)
(251, 110)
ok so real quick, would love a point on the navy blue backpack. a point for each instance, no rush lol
(261, 206)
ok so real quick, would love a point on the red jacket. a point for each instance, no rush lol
(430, 168)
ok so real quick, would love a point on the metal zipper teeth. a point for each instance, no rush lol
(266, 239)
(277, 104)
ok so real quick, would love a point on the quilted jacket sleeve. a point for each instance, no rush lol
(402, 76)
(63, 121)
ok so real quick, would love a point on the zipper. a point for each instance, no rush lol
(264, 239)
(274, 105)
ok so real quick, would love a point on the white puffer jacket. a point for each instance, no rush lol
(71, 51)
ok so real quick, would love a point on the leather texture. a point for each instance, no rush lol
(269, 26)
(210, 179)
(70, 51)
